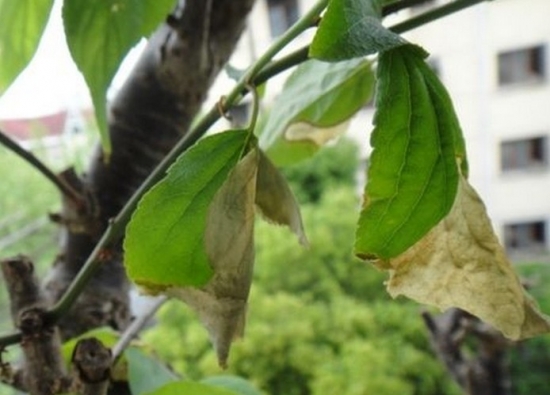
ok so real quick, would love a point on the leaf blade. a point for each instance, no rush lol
(319, 102)
(17, 50)
(351, 29)
(276, 200)
(169, 223)
(229, 241)
(145, 374)
(413, 175)
(460, 263)
(99, 35)
(190, 388)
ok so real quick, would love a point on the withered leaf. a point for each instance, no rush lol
(276, 200)
(460, 263)
(229, 243)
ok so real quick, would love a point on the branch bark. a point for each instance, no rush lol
(91, 363)
(43, 370)
(485, 372)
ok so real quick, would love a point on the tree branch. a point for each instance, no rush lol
(65, 189)
(433, 15)
(91, 362)
(44, 370)
(135, 327)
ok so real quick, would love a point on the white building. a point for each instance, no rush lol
(493, 59)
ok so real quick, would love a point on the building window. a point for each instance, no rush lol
(282, 14)
(521, 66)
(525, 236)
(524, 154)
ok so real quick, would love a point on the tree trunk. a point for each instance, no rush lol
(473, 352)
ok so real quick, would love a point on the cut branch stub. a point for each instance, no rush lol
(41, 345)
(91, 362)
(22, 285)
(40, 342)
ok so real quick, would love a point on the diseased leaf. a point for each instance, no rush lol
(164, 243)
(99, 35)
(23, 23)
(190, 388)
(229, 242)
(413, 175)
(460, 263)
(145, 373)
(276, 200)
(351, 29)
(320, 102)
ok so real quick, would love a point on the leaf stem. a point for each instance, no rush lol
(32, 160)
(433, 15)
(116, 227)
(284, 63)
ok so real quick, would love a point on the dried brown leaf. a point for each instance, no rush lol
(460, 263)
(276, 200)
(229, 243)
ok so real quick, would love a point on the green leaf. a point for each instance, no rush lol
(234, 383)
(413, 174)
(320, 102)
(164, 244)
(145, 373)
(351, 29)
(286, 153)
(23, 22)
(190, 388)
(99, 35)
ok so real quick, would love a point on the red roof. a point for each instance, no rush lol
(32, 128)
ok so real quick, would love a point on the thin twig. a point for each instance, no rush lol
(435, 14)
(399, 5)
(32, 160)
(135, 327)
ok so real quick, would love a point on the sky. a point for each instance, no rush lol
(51, 82)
